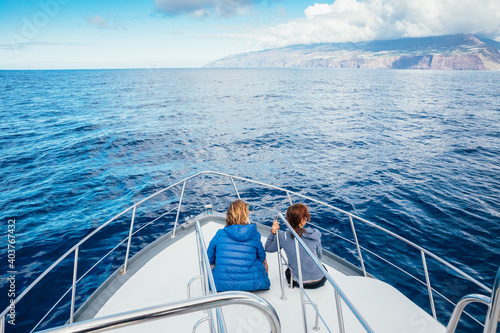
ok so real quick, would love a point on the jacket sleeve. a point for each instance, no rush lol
(211, 250)
(271, 243)
(261, 254)
(319, 249)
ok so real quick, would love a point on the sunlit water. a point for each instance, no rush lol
(416, 152)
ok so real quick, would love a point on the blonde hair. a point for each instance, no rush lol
(237, 213)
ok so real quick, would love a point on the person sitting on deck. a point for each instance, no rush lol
(238, 254)
(298, 215)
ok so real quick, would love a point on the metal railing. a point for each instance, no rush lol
(493, 304)
(339, 294)
(175, 309)
(76, 247)
(208, 283)
(352, 218)
(424, 253)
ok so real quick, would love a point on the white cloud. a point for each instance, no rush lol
(364, 20)
(204, 8)
(97, 21)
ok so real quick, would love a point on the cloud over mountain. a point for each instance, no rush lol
(365, 20)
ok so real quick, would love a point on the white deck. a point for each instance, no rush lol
(164, 279)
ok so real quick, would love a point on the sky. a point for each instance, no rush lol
(60, 34)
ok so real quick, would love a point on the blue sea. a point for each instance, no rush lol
(416, 152)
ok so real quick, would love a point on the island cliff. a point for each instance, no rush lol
(457, 52)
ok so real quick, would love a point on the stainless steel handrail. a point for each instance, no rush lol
(205, 288)
(442, 261)
(232, 178)
(457, 312)
(280, 270)
(338, 290)
(179, 209)
(493, 314)
(73, 291)
(91, 268)
(175, 309)
(396, 267)
(124, 270)
(207, 276)
(114, 218)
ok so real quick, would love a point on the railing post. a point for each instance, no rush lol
(429, 289)
(204, 282)
(73, 292)
(459, 308)
(493, 314)
(316, 321)
(289, 198)
(327, 275)
(179, 209)
(205, 276)
(189, 285)
(124, 270)
(234, 185)
(340, 316)
(2, 324)
(357, 245)
(280, 268)
(301, 285)
(195, 327)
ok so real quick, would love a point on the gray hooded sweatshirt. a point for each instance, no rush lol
(312, 238)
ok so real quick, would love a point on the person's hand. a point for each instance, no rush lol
(276, 226)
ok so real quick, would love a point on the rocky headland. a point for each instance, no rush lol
(457, 52)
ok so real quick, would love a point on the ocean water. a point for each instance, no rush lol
(416, 152)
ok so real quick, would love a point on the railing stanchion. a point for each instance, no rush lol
(340, 294)
(280, 268)
(179, 209)
(316, 310)
(204, 280)
(234, 185)
(493, 314)
(124, 270)
(429, 289)
(301, 284)
(189, 285)
(221, 324)
(459, 308)
(195, 327)
(340, 316)
(357, 245)
(73, 292)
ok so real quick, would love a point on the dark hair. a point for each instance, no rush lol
(237, 213)
(295, 214)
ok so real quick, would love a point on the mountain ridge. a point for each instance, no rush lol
(452, 52)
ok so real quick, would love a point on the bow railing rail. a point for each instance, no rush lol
(425, 254)
(208, 284)
(339, 294)
(178, 308)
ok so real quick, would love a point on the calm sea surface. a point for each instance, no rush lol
(416, 152)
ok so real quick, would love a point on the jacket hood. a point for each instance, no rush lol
(241, 233)
(311, 233)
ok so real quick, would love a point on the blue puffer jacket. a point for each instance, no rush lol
(238, 255)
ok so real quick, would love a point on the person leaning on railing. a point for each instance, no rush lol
(298, 215)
